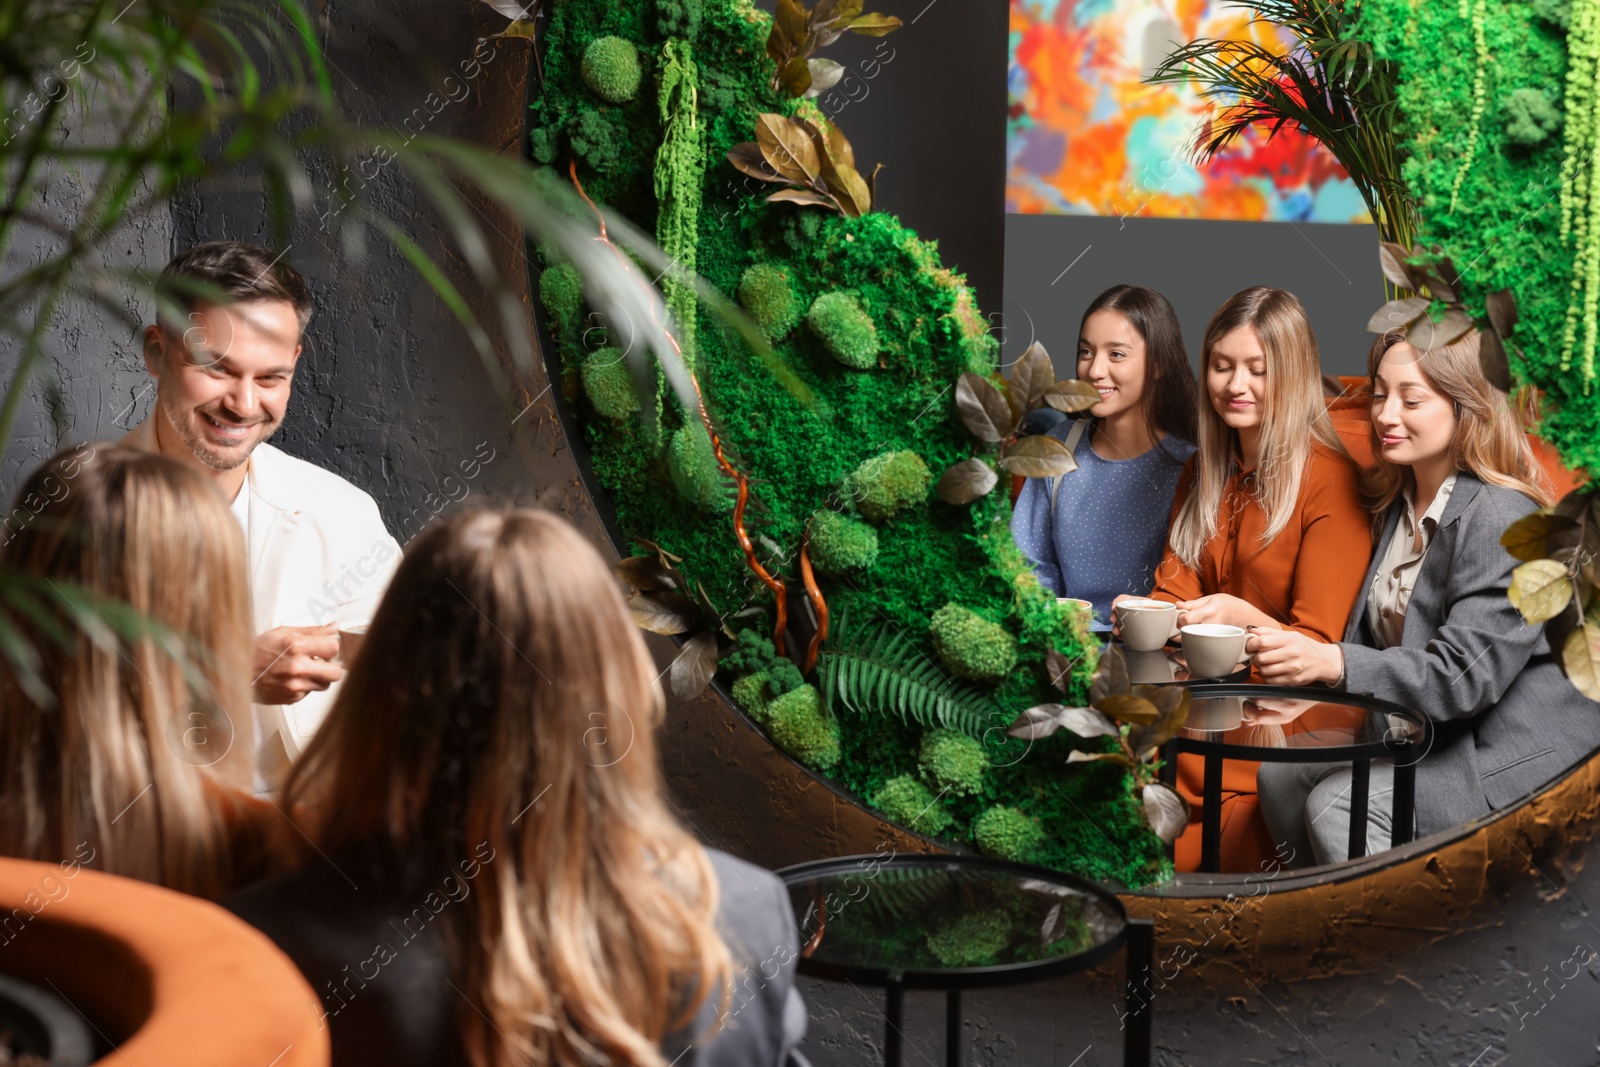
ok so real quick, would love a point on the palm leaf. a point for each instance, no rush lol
(877, 671)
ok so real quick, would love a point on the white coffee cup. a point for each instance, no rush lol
(350, 640)
(1146, 624)
(1213, 649)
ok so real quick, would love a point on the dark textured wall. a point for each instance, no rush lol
(392, 397)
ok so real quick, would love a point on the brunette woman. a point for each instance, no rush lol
(1098, 532)
(131, 597)
(499, 877)
(1268, 528)
(1432, 627)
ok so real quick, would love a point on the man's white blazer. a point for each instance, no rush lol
(319, 553)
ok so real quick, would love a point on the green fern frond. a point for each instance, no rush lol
(879, 671)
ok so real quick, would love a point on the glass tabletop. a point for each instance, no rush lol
(949, 921)
(1301, 724)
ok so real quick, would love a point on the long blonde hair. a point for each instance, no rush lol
(102, 761)
(504, 697)
(1489, 440)
(1295, 417)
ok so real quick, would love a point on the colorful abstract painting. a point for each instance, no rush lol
(1088, 137)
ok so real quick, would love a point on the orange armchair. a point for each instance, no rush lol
(164, 977)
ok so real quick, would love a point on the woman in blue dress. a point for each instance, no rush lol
(1100, 532)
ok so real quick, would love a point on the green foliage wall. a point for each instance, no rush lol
(1479, 81)
(800, 449)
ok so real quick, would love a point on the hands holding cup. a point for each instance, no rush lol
(1288, 657)
(1144, 624)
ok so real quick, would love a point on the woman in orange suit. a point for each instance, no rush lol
(1268, 528)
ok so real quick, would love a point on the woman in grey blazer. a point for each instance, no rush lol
(498, 876)
(1433, 628)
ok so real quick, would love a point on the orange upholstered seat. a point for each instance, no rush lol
(168, 978)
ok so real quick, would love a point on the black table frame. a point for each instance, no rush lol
(1405, 754)
(1136, 939)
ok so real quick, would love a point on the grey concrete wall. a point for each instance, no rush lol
(1056, 264)
(392, 397)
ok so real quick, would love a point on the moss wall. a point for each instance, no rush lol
(800, 447)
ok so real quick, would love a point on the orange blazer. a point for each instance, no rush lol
(1309, 576)
(1307, 579)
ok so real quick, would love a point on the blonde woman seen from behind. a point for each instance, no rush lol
(112, 753)
(500, 879)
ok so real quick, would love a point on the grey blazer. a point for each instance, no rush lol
(359, 926)
(1505, 718)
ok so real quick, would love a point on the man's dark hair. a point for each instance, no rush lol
(233, 271)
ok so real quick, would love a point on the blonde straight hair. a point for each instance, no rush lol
(1489, 440)
(103, 762)
(1295, 416)
(504, 697)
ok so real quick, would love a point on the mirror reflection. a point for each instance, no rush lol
(1336, 537)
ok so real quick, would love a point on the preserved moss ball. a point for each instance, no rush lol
(971, 646)
(611, 69)
(1007, 833)
(754, 653)
(594, 140)
(910, 803)
(952, 763)
(750, 693)
(840, 544)
(799, 727)
(974, 939)
(693, 466)
(561, 292)
(608, 385)
(545, 144)
(767, 293)
(1530, 116)
(845, 329)
(887, 484)
(678, 18)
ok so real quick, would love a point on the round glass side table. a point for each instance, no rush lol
(956, 922)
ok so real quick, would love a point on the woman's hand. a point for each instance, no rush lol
(1288, 657)
(1116, 623)
(1218, 608)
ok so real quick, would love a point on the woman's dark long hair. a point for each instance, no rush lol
(1170, 391)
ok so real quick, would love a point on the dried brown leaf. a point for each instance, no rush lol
(1039, 457)
(691, 671)
(875, 25)
(966, 481)
(747, 159)
(788, 148)
(1540, 589)
(1425, 333)
(663, 613)
(1129, 708)
(1492, 360)
(1072, 394)
(1031, 377)
(1580, 656)
(1165, 811)
(984, 412)
(1502, 308)
(1110, 676)
(1397, 314)
(646, 574)
(1392, 259)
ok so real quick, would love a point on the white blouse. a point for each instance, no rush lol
(1390, 594)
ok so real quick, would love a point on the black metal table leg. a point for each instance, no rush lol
(1211, 817)
(1169, 763)
(1138, 1037)
(1360, 787)
(952, 1028)
(1405, 805)
(894, 1016)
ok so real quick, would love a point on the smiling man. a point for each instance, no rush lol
(320, 556)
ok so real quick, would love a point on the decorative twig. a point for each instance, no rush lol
(815, 593)
(771, 581)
